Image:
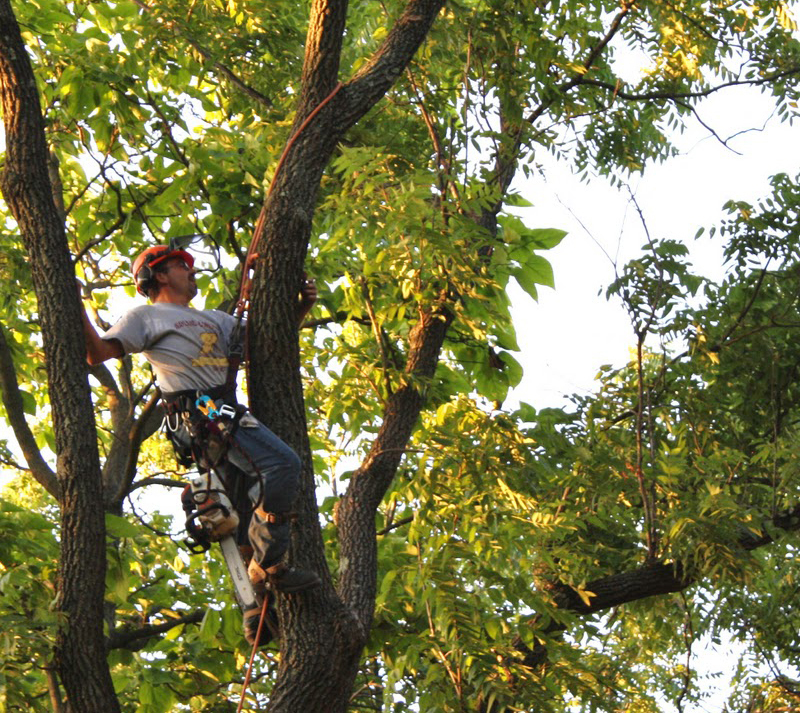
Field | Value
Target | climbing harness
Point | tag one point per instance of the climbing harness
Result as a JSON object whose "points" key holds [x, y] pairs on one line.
{"points": [[201, 431]]}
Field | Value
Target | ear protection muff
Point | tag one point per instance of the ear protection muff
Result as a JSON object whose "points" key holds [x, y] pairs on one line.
{"points": [[144, 279], [145, 275]]}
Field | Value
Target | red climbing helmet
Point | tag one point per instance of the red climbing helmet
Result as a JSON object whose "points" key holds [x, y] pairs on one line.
{"points": [[143, 265]]}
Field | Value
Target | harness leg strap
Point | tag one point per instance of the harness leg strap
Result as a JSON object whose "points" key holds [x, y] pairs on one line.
{"points": [[276, 518]]}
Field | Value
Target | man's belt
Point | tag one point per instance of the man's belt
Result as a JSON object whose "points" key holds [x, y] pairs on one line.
{"points": [[216, 402], [222, 393]]}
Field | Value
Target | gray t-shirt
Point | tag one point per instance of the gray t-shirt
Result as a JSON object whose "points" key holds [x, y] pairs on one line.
{"points": [[187, 347]]}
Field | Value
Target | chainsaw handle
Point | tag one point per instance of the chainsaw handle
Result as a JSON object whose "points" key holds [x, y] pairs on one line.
{"points": [[196, 547]]}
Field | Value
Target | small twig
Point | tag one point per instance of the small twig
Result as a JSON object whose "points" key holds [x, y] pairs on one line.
{"points": [[155, 480], [688, 638], [144, 522], [379, 337], [395, 525]]}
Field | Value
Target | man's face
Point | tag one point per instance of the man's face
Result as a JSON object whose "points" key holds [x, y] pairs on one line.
{"points": [[180, 277]]}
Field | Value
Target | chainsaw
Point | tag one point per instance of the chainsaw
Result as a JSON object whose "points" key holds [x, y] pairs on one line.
{"points": [[211, 518]]}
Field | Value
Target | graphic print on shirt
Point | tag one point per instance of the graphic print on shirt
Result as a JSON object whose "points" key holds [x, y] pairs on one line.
{"points": [[209, 340]]}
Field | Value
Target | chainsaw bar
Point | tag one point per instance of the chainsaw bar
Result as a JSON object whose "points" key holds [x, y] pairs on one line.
{"points": [[245, 594]]}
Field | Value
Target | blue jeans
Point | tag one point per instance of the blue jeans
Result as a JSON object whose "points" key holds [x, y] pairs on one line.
{"points": [[276, 468]]}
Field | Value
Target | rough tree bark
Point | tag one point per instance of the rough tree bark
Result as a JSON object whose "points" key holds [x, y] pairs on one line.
{"points": [[80, 651], [342, 619]]}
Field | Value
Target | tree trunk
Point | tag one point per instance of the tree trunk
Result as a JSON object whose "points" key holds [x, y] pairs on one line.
{"points": [[324, 633], [80, 651]]}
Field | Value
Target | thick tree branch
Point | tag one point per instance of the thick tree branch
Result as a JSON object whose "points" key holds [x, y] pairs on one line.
{"points": [[136, 638], [649, 581], [15, 412], [375, 78], [368, 485], [324, 39]]}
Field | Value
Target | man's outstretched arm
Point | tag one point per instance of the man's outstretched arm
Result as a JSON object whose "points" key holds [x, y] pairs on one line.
{"points": [[97, 348]]}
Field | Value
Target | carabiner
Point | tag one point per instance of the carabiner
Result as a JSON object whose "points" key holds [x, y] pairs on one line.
{"points": [[207, 407]]}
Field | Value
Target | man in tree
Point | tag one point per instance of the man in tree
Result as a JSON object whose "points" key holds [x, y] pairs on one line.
{"points": [[190, 352]]}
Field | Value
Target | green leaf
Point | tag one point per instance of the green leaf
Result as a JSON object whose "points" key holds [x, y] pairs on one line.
{"points": [[28, 403], [540, 270], [120, 527], [544, 238], [526, 280], [512, 368], [210, 626]]}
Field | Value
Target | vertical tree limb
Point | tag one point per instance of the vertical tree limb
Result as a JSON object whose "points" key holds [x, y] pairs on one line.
{"points": [[26, 186]]}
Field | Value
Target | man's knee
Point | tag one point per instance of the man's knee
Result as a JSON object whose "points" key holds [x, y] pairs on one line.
{"points": [[281, 483], [287, 474], [293, 464]]}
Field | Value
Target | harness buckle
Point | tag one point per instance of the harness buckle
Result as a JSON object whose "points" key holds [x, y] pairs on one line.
{"points": [[226, 410]]}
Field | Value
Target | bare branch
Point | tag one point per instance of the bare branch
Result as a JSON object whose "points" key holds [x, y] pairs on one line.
{"points": [[156, 480], [699, 94], [15, 411]]}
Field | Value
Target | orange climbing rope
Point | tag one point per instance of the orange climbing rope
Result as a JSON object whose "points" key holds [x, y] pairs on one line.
{"points": [[245, 284], [249, 671]]}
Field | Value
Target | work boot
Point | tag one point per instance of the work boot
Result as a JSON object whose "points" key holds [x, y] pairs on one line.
{"points": [[291, 579], [269, 629], [288, 580]]}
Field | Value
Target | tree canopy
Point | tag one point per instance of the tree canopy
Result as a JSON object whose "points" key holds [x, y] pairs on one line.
{"points": [[475, 556]]}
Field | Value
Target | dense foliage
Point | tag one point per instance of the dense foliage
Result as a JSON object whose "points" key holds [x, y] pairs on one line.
{"points": [[501, 528]]}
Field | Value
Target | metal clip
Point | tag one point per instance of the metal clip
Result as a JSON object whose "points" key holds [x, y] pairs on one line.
{"points": [[207, 407], [227, 410], [168, 421]]}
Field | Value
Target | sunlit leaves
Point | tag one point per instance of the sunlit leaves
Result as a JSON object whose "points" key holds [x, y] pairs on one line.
{"points": [[168, 118], [27, 575]]}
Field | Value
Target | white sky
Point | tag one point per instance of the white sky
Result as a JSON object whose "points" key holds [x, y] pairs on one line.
{"points": [[571, 331]]}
